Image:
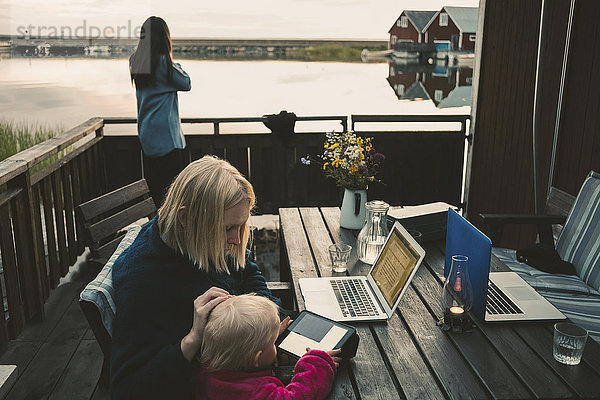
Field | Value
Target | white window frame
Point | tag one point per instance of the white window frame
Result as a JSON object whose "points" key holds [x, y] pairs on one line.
{"points": [[400, 90], [394, 39], [438, 95], [443, 19], [404, 21], [472, 37]]}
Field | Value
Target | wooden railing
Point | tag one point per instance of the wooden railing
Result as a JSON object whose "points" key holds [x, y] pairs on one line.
{"points": [[39, 240], [421, 166], [41, 186]]}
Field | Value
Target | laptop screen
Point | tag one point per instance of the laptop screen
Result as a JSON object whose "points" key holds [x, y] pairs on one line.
{"points": [[394, 266], [465, 239]]}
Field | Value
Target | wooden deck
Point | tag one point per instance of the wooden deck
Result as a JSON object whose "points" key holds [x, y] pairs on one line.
{"points": [[59, 357]]}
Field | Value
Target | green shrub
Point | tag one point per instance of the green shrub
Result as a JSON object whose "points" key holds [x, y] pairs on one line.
{"points": [[18, 136], [331, 53]]}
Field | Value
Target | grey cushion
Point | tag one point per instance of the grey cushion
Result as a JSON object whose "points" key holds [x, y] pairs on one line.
{"points": [[100, 290]]}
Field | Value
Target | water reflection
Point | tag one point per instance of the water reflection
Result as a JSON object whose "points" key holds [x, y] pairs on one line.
{"points": [[446, 85]]}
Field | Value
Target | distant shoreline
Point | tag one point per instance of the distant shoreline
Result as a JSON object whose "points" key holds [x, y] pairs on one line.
{"points": [[307, 49]]}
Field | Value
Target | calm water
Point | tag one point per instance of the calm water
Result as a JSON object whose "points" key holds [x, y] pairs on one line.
{"points": [[71, 90]]}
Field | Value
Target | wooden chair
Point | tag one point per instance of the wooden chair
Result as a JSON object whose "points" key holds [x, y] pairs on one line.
{"points": [[102, 221], [577, 295], [549, 224]]}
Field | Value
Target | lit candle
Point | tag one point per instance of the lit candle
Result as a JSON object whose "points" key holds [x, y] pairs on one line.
{"points": [[457, 310]]}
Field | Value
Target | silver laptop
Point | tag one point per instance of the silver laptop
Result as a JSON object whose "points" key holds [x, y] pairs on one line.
{"points": [[370, 298], [497, 296]]}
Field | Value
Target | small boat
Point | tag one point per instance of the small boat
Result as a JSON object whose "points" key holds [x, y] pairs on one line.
{"points": [[367, 55]]}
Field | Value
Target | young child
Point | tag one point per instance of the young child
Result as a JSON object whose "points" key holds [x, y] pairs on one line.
{"points": [[238, 352]]}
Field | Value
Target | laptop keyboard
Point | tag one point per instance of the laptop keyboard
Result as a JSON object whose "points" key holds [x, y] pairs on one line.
{"points": [[353, 298], [499, 303]]}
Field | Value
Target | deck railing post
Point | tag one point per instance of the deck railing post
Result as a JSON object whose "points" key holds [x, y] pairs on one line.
{"points": [[27, 246], [101, 174]]}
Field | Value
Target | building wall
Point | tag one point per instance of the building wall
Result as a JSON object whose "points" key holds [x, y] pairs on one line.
{"points": [[465, 77], [501, 164], [579, 135], [441, 84], [437, 32], [467, 44], [403, 34]]}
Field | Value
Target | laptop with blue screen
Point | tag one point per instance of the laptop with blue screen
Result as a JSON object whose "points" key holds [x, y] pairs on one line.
{"points": [[497, 296]]}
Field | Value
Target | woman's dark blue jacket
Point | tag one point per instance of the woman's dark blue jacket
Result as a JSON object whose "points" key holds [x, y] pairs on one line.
{"points": [[155, 288]]}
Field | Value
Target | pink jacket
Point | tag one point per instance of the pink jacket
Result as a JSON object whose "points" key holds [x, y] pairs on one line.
{"points": [[313, 377]]}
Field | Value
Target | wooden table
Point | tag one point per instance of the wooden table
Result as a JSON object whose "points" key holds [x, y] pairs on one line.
{"points": [[410, 356]]}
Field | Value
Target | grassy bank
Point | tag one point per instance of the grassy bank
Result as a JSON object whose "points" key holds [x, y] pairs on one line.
{"points": [[18, 136], [331, 53]]}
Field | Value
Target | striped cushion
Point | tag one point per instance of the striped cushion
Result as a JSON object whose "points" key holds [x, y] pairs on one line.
{"points": [[544, 281], [100, 290], [581, 310], [579, 241], [571, 295]]}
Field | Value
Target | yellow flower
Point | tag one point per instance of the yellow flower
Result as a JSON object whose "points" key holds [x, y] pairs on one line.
{"points": [[325, 165]]}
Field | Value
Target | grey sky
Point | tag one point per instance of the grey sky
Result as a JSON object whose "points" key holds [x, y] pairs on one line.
{"points": [[368, 19]]}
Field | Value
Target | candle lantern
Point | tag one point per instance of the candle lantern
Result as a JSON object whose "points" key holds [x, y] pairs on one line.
{"points": [[457, 296]]}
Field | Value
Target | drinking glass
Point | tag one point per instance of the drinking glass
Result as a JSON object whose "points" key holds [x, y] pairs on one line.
{"points": [[340, 254], [569, 340]]}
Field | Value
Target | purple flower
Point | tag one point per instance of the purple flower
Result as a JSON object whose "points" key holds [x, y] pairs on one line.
{"points": [[305, 161], [378, 158], [372, 151], [364, 170]]}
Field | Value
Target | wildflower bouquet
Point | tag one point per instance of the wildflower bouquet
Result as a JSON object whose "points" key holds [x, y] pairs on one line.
{"points": [[348, 159]]}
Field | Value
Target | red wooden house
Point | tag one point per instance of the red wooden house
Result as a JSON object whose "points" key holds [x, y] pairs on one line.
{"points": [[409, 27], [400, 81], [453, 28]]}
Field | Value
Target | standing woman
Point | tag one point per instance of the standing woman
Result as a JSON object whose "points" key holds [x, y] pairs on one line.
{"points": [[157, 80]]}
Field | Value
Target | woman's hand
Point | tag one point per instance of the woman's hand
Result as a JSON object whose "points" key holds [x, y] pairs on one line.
{"points": [[203, 305]]}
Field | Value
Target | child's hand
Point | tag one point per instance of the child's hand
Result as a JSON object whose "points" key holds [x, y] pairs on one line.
{"points": [[335, 354], [284, 324]]}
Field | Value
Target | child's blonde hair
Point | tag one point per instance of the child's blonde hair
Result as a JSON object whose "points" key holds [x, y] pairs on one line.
{"points": [[191, 218], [236, 330]]}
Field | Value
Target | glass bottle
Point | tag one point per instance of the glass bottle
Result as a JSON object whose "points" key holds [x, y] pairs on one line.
{"points": [[373, 234], [457, 293]]}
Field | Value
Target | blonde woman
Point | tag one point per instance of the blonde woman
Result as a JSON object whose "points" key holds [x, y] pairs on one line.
{"points": [[184, 262], [238, 352]]}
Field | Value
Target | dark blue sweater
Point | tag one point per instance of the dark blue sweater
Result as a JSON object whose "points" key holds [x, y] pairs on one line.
{"points": [[155, 288]]}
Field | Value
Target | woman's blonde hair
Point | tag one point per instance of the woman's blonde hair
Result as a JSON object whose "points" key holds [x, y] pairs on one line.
{"points": [[191, 218], [236, 330]]}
